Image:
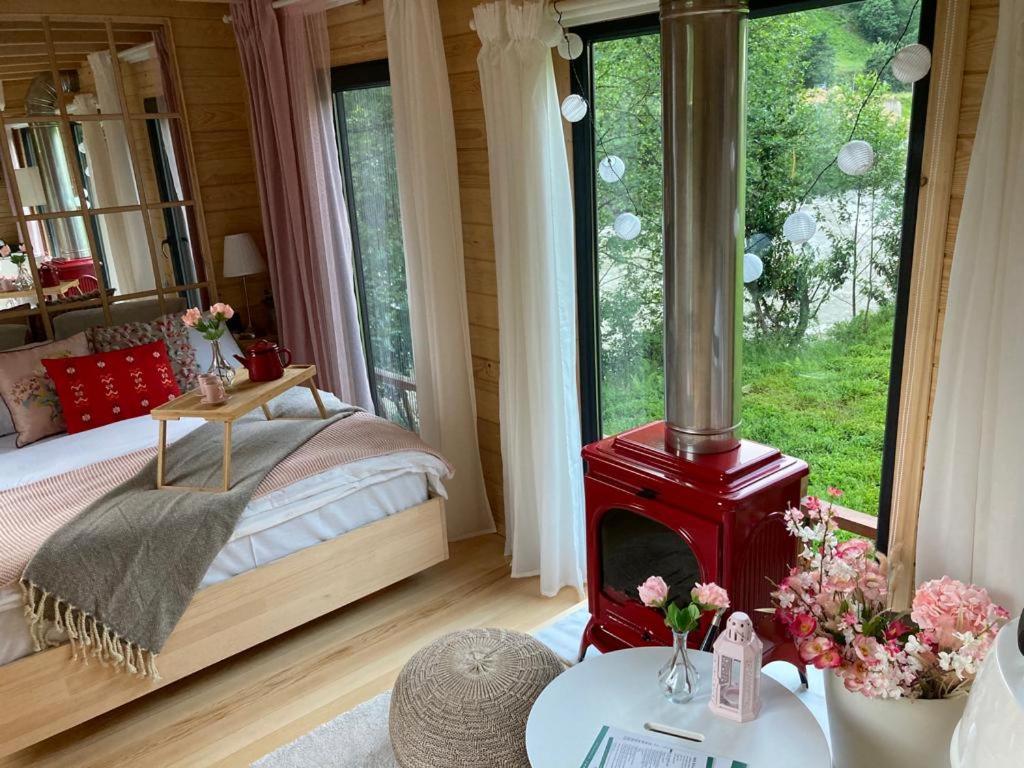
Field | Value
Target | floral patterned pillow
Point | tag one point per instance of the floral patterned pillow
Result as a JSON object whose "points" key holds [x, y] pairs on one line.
{"points": [[29, 392], [169, 329]]}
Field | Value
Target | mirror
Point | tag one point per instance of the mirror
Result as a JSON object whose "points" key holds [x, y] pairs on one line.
{"points": [[97, 154]]}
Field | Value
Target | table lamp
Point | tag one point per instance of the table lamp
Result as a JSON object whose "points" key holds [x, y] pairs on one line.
{"points": [[242, 258]]}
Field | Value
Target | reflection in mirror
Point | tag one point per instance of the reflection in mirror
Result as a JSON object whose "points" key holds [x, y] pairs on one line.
{"points": [[63, 258], [83, 55], [144, 56], [105, 163], [174, 230], [124, 252], [17, 289], [26, 75], [161, 150], [41, 169]]}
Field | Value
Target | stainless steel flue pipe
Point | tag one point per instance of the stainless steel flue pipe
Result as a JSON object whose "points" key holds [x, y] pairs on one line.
{"points": [[703, 59]]}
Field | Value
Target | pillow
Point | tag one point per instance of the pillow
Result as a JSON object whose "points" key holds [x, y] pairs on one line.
{"points": [[168, 329], [105, 387], [29, 393], [6, 424]]}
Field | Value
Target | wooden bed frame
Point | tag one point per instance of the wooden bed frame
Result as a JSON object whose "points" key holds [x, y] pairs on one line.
{"points": [[45, 693]]}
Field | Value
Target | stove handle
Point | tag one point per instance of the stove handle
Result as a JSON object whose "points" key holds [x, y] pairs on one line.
{"points": [[647, 493]]}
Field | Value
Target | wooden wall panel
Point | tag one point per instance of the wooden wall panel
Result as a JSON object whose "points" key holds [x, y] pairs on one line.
{"points": [[214, 99], [357, 34]]}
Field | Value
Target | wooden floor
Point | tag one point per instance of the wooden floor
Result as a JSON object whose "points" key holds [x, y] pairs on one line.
{"points": [[237, 711]]}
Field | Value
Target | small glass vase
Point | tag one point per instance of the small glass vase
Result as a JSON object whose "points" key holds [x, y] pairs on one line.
{"points": [[679, 679], [219, 366], [23, 280]]}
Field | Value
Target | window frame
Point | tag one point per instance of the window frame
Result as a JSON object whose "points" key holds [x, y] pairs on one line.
{"points": [[585, 198]]}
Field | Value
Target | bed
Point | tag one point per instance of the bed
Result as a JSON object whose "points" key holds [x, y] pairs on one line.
{"points": [[351, 530]]}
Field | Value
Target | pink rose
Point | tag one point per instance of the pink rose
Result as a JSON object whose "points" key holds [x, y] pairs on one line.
{"points": [[830, 659], [812, 503], [710, 596], [223, 309], [834, 492], [5, 250], [191, 317], [653, 592], [852, 549], [803, 625]]}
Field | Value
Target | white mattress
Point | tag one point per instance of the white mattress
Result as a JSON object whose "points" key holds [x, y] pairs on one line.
{"points": [[311, 511]]}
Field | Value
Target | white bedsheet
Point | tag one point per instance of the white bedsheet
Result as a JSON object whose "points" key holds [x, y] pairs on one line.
{"points": [[311, 511]]}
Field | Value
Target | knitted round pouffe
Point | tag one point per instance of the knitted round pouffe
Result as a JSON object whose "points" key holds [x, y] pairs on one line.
{"points": [[463, 700]]}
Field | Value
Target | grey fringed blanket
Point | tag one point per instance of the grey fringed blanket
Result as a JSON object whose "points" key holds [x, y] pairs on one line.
{"points": [[118, 577]]}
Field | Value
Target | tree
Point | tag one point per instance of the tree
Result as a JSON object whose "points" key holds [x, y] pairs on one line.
{"points": [[880, 20]]}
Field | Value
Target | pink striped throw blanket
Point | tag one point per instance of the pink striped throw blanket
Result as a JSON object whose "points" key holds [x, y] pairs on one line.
{"points": [[29, 514]]}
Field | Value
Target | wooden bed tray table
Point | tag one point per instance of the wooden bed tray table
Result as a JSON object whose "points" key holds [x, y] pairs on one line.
{"points": [[243, 396]]}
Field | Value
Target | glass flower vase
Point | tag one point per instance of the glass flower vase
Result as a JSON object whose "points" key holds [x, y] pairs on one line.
{"points": [[219, 366], [679, 678]]}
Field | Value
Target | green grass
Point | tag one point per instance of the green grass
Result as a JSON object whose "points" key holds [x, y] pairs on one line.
{"points": [[852, 50], [823, 401]]}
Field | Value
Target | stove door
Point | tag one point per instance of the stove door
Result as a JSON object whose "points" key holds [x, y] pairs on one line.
{"points": [[631, 537]]}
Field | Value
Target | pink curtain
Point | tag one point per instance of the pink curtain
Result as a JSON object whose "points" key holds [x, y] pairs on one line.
{"points": [[285, 58]]}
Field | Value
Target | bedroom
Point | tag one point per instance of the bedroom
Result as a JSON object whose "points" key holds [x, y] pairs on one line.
{"points": [[372, 188]]}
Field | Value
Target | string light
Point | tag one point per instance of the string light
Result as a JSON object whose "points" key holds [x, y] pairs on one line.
{"points": [[911, 63], [856, 158], [574, 108], [611, 169]]}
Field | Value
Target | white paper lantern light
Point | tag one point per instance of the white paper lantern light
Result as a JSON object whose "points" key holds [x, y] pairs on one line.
{"points": [[550, 32], [799, 227], [856, 158], [627, 226], [570, 46], [911, 63], [574, 108], [753, 267], [611, 169]]}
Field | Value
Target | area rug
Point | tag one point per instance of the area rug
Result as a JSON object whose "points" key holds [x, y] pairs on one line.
{"points": [[359, 738]]}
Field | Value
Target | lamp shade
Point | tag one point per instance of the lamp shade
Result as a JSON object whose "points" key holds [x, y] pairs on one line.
{"points": [[241, 256], [30, 186]]}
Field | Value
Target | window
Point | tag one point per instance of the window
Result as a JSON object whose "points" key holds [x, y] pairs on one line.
{"points": [[366, 138], [820, 377]]}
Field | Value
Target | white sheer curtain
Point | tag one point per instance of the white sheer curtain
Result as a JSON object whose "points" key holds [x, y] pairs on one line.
{"points": [[533, 242], [971, 525], [428, 189]]}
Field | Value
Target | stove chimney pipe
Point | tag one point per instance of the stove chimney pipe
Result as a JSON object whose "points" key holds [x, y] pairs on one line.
{"points": [[703, 59]]}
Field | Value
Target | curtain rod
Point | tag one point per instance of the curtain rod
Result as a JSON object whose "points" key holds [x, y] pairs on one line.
{"points": [[282, 3]]}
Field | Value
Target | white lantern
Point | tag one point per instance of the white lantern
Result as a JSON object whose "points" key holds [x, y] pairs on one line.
{"points": [[611, 169], [570, 46], [911, 63], [627, 226], [856, 158], [550, 32], [752, 267], [574, 108], [736, 671], [799, 227]]}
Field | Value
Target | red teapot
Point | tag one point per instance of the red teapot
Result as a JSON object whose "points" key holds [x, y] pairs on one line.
{"points": [[265, 361]]}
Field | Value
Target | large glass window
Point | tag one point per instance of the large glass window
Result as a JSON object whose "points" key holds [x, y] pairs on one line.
{"points": [[362, 98], [820, 320]]}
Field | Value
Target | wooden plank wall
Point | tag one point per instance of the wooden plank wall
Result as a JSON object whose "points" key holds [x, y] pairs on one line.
{"points": [[214, 93], [981, 37], [357, 34]]}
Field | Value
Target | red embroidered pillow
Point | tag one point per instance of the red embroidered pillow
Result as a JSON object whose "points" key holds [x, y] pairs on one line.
{"points": [[100, 389]]}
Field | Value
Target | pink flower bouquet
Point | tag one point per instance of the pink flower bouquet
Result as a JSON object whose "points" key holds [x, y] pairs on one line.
{"points": [[210, 325], [834, 605], [704, 598]]}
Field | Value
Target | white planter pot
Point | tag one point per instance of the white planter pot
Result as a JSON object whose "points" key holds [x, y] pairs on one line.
{"points": [[889, 733]]}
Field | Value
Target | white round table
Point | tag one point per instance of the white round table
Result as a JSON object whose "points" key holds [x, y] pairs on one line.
{"points": [[620, 689]]}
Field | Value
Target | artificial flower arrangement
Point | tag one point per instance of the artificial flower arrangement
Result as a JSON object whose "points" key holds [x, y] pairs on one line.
{"points": [[704, 598], [211, 324], [835, 606]]}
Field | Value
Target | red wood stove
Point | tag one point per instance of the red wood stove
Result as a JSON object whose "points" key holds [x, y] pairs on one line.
{"points": [[711, 517]]}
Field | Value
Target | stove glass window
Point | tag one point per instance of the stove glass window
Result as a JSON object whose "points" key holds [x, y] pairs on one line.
{"points": [[634, 547]]}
